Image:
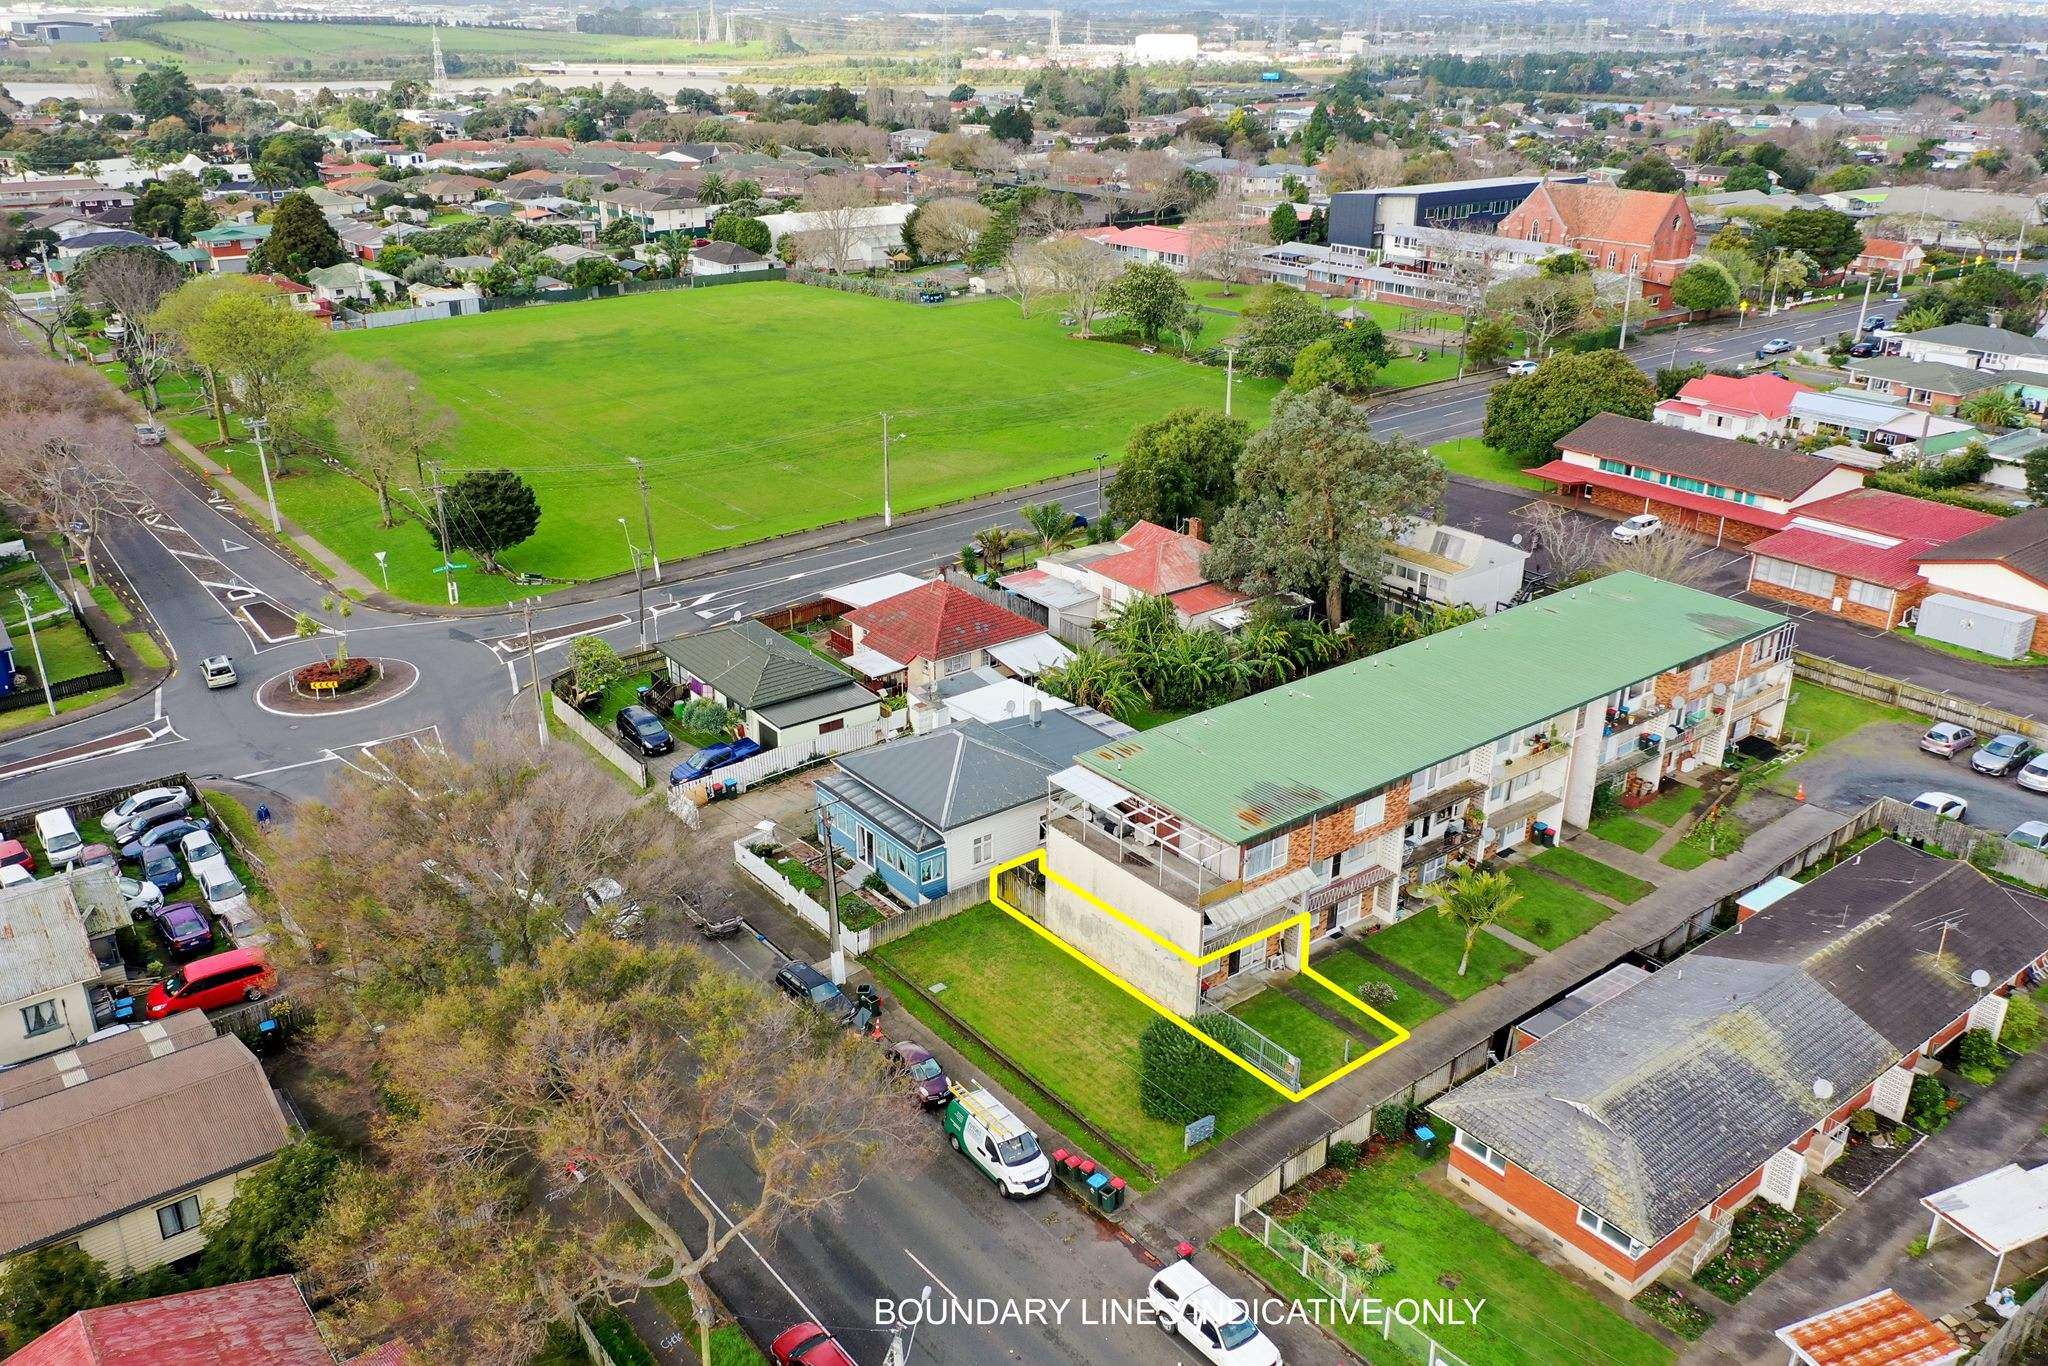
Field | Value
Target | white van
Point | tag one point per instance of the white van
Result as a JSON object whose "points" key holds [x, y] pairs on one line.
{"points": [[983, 1129], [61, 844]]}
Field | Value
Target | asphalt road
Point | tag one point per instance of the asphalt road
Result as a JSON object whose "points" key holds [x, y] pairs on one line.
{"points": [[1887, 761]]}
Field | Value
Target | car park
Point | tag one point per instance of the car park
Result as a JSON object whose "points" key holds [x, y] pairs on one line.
{"points": [[815, 989], [218, 671], [2031, 835], [220, 979], [2034, 775], [61, 843], [1640, 527], [806, 1344], [1188, 1305], [981, 1128], [2002, 754], [148, 816], [712, 758], [225, 895], [1776, 346], [140, 896], [184, 927], [15, 854], [167, 835], [642, 731], [914, 1063], [1526, 366], [1947, 739], [1944, 804]]}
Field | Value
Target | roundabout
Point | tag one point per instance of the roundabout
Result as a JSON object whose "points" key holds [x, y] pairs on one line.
{"points": [[320, 689]]}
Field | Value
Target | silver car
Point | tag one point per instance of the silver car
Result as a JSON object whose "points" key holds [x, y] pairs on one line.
{"points": [[1947, 739], [2034, 777], [2002, 755]]}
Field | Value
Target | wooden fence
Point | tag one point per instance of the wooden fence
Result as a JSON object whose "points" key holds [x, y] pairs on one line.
{"points": [[1929, 702], [607, 749]]}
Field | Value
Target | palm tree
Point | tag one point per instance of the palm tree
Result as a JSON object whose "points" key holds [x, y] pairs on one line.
{"points": [[1095, 678], [1052, 524], [1992, 408], [1474, 900], [993, 544]]}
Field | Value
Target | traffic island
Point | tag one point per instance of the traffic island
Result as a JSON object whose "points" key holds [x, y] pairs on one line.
{"points": [[329, 689]]}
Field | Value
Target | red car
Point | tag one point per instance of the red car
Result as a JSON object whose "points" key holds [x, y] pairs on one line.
{"points": [[808, 1345], [16, 853], [220, 979]]}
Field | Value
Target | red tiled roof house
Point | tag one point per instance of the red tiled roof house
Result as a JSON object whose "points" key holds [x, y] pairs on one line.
{"points": [[1149, 560], [936, 630], [1857, 555], [1883, 256], [1625, 231], [249, 1323], [1730, 406]]}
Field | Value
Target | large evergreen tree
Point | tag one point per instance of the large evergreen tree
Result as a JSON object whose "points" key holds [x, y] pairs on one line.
{"points": [[301, 239]]}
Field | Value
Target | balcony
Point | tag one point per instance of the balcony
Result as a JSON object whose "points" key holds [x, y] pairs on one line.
{"points": [[1530, 762], [1458, 793]]}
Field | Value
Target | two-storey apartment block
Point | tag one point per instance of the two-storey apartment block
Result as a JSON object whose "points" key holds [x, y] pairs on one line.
{"points": [[1342, 794]]}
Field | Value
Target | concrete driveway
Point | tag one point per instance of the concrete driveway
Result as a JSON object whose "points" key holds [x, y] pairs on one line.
{"points": [[1887, 761]]}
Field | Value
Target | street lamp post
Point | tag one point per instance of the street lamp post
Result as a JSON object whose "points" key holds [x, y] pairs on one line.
{"points": [[888, 509], [36, 647], [1864, 309]]}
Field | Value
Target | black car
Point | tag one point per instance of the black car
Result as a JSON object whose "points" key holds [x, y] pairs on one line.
{"points": [[927, 1078], [814, 989], [1863, 349], [642, 730]]}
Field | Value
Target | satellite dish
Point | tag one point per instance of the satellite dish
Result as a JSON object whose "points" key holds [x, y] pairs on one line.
{"points": [[1823, 1089], [1980, 979], [1515, 539], [1720, 690]]}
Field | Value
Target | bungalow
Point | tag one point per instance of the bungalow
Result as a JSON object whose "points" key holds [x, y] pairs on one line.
{"points": [[1753, 406], [1148, 246], [727, 258], [247, 1323], [1731, 490], [228, 245], [1446, 566], [130, 1141], [935, 812], [353, 282], [1931, 385], [1883, 256], [653, 211], [784, 693], [1857, 555], [1975, 347], [453, 189], [936, 630], [2009, 452], [1629, 1137], [873, 234], [1217, 829], [1149, 561], [1990, 588], [56, 937]]}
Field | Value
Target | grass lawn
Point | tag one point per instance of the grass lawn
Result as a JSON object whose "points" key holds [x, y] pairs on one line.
{"points": [[1473, 458], [1321, 1045], [730, 1346], [24, 576], [1702, 844], [1069, 1027], [116, 610], [23, 717], [146, 649], [1531, 1312], [1669, 808], [1410, 370], [1549, 913], [1826, 715], [66, 650], [1351, 972], [1594, 875], [734, 397], [2028, 660], [1428, 945], [1626, 831]]}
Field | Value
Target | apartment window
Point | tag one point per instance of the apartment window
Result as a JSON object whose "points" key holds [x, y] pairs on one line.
{"points": [[1870, 595], [1438, 775], [180, 1216], [984, 849], [1479, 1150], [1700, 673], [1797, 577], [1262, 859], [1593, 1223], [39, 1018], [1368, 813]]}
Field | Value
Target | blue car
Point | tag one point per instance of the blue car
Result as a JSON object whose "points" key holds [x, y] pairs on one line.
{"points": [[712, 757], [160, 866]]}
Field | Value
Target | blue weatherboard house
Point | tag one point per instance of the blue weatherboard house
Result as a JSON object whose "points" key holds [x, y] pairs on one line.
{"points": [[937, 811]]}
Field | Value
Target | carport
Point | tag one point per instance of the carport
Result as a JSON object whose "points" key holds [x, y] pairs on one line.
{"points": [[2001, 1211]]}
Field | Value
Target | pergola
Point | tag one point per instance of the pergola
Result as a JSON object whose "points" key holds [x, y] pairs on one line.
{"points": [[2001, 1211]]}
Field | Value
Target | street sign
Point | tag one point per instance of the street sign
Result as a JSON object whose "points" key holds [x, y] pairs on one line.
{"points": [[449, 567], [1201, 1131]]}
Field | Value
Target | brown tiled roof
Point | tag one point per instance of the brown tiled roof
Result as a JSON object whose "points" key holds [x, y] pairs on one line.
{"points": [[110, 1126], [1612, 214], [1674, 450], [2019, 543]]}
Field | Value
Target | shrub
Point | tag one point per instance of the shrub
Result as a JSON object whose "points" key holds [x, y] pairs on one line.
{"points": [[1977, 1056], [1381, 994], [1344, 1154], [711, 718], [1917, 1248], [1863, 1122], [1901, 1135], [347, 674], [594, 664], [1927, 1106], [1390, 1121], [2022, 1028], [1606, 801], [1179, 1078]]}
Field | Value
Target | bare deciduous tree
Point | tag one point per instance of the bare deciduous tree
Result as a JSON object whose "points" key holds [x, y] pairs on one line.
{"points": [[1360, 166], [1575, 547], [1671, 557], [384, 420], [1080, 268], [1223, 241], [62, 441], [1545, 307], [840, 203], [947, 228], [132, 281]]}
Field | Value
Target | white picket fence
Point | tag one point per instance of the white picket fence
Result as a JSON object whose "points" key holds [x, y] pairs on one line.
{"points": [[780, 887]]}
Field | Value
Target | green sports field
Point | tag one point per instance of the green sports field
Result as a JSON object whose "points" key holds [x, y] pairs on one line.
{"points": [[757, 410]]}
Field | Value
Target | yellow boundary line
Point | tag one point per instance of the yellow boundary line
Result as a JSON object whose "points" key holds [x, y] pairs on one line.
{"points": [[1299, 922]]}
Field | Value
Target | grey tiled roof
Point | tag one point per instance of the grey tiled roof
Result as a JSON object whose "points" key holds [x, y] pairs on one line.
{"points": [[1932, 375], [954, 776], [754, 666]]}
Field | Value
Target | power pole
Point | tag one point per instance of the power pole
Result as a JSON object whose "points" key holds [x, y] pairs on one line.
{"points": [[1864, 309], [540, 717], [36, 647], [1099, 458], [1628, 297], [447, 547], [646, 514], [1229, 376], [831, 892], [256, 428], [639, 593]]}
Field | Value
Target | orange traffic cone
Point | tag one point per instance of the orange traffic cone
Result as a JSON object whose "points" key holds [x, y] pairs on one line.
{"points": [[1800, 795]]}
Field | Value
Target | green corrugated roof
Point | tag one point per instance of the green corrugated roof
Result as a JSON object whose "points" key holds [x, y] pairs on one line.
{"points": [[1269, 761]]}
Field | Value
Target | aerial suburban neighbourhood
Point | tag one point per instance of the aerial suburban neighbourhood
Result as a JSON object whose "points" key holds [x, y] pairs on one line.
{"points": [[805, 686]]}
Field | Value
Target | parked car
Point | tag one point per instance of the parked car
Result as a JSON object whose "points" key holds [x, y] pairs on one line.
{"points": [[218, 671], [15, 854], [14, 875], [1863, 350], [643, 732], [2002, 755], [1776, 346], [184, 927], [199, 846], [806, 1344], [1944, 804], [135, 801], [1876, 323], [814, 989], [1187, 1304], [1947, 739], [2034, 777], [148, 817], [1640, 527], [2030, 835], [712, 757], [1526, 366], [140, 896], [225, 895], [160, 866], [98, 856], [150, 434], [916, 1064], [61, 842], [606, 902], [982, 1129], [168, 834], [219, 979]]}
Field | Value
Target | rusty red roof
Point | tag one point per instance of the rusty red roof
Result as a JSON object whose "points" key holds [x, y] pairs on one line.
{"points": [[250, 1323], [1877, 1330], [935, 621], [1765, 395], [1155, 560]]}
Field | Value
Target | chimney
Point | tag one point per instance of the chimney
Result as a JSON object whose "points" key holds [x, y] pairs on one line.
{"points": [[1196, 527], [1037, 710]]}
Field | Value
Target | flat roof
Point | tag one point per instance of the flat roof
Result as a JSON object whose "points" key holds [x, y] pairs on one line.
{"points": [[1266, 762]]}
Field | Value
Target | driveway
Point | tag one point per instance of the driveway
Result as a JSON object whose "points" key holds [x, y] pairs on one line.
{"points": [[1887, 761]]}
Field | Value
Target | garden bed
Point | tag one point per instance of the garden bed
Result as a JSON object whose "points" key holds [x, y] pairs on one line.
{"points": [[1763, 1239], [1863, 1163], [1672, 1307]]}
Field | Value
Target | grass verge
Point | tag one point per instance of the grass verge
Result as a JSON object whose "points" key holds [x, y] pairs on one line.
{"points": [[1549, 914], [1594, 875]]}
